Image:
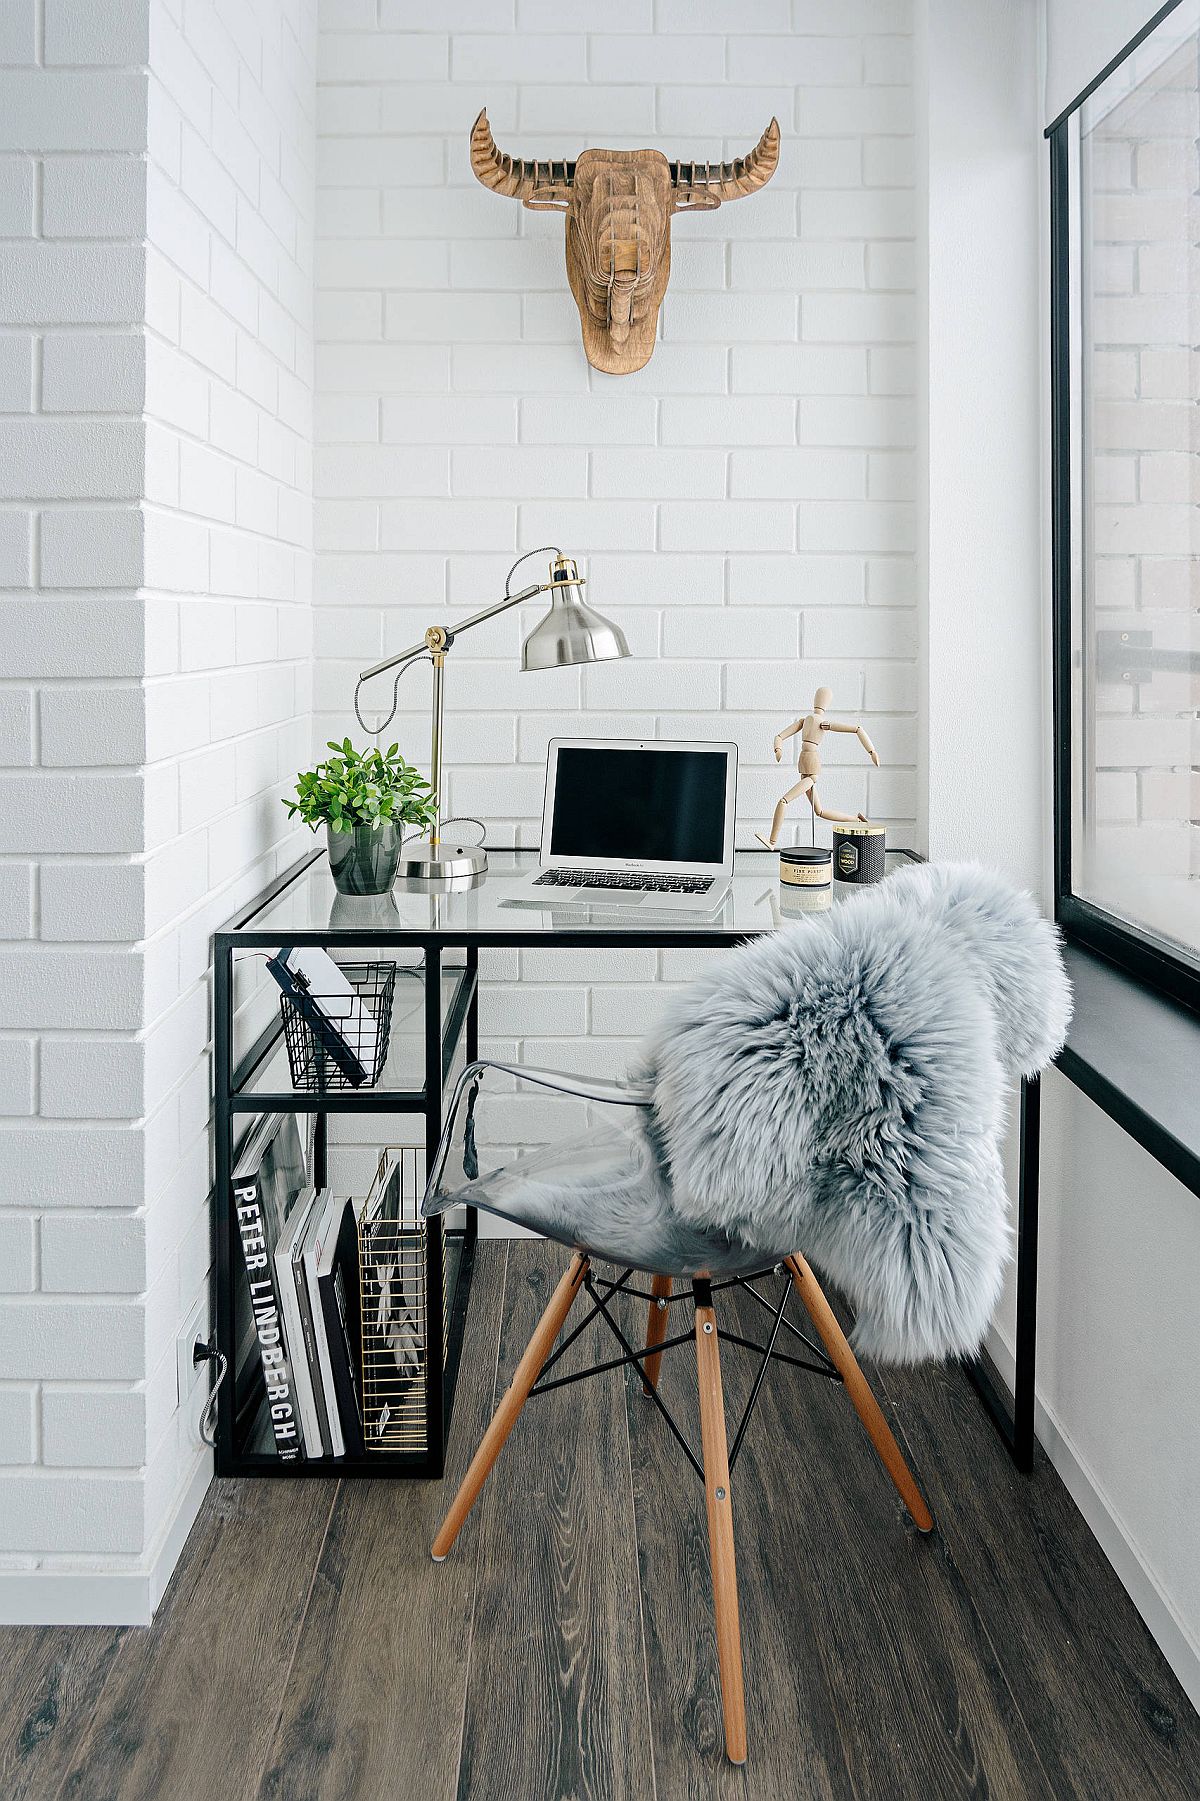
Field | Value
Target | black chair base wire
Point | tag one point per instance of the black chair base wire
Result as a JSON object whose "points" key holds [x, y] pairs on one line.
{"points": [[601, 1292]]}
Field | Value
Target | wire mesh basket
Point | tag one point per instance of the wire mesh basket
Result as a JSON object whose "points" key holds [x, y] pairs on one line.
{"points": [[337, 1042], [392, 1240]]}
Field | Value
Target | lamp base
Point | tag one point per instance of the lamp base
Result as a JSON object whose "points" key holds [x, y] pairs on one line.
{"points": [[442, 862]]}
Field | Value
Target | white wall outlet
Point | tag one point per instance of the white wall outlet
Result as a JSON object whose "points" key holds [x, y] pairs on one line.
{"points": [[187, 1374]]}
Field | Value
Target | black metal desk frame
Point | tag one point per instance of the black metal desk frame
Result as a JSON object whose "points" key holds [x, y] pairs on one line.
{"points": [[446, 1029], [1015, 1420]]}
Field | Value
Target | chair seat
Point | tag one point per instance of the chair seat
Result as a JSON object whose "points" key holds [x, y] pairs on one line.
{"points": [[605, 1194]]}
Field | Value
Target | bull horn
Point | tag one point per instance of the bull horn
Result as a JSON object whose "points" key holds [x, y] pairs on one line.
{"points": [[537, 184], [701, 184], [497, 172]]}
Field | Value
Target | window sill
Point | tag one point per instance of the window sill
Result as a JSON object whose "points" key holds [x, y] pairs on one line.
{"points": [[1137, 1055]]}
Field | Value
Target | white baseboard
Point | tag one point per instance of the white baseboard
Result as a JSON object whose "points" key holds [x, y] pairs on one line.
{"points": [[174, 1534], [1139, 1582], [92, 1597]]}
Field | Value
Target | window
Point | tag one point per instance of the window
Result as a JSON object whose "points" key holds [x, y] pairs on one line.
{"points": [[1125, 225]]}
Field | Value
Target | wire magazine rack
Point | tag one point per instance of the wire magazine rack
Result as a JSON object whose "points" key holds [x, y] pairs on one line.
{"points": [[393, 1246]]}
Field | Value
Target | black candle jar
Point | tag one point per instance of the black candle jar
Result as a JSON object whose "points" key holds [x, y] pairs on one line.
{"points": [[859, 852]]}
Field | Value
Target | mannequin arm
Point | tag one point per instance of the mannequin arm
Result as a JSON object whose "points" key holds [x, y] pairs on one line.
{"points": [[838, 725], [788, 731]]}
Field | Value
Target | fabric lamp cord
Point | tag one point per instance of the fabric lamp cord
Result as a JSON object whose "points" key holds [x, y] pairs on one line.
{"points": [[433, 648], [422, 651]]}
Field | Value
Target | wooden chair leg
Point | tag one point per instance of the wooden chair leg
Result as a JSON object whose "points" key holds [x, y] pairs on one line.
{"points": [[505, 1416], [656, 1330], [719, 1504], [859, 1390]]}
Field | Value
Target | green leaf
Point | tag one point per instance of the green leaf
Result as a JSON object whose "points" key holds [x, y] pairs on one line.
{"points": [[352, 788]]}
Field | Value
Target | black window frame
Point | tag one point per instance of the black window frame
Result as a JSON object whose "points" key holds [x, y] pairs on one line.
{"points": [[1134, 949]]}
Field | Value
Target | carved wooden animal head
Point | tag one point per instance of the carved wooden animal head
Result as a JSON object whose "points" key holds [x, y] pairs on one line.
{"points": [[619, 205]]}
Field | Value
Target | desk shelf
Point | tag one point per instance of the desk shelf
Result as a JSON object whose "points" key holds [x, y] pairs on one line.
{"points": [[262, 1083], [435, 1028]]}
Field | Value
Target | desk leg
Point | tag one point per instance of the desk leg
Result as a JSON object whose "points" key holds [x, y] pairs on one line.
{"points": [[473, 1009], [224, 1224], [472, 1227], [1027, 1258], [1015, 1424], [321, 1151], [435, 1237]]}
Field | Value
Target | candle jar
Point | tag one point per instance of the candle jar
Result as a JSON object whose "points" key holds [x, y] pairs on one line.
{"points": [[859, 852], [806, 866]]}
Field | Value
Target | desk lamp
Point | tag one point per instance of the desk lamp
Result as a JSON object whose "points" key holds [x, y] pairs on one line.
{"points": [[570, 633]]}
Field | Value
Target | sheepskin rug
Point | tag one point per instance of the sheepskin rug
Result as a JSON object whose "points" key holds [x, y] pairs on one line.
{"points": [[841, 1088]]}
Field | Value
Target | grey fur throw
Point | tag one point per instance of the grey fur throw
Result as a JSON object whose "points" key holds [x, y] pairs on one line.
{"points": [[840, 1087]]}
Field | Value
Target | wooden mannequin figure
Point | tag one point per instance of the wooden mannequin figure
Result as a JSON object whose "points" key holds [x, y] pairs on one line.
{"points": [[810, 729]]}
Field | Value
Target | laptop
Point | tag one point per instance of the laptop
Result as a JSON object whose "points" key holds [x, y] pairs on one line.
{"points": [[628, 823]]}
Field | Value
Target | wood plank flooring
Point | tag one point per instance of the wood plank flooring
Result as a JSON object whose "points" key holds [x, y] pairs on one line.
{"points": [[308, 1647]]}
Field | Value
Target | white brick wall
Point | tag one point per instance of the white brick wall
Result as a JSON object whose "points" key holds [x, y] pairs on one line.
{"points": [[1142, 803], [228, 576], [156, 194], [744, 506], [71, 177], [744, 503]]}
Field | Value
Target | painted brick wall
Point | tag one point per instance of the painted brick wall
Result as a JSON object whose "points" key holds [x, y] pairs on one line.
{"points": [[155, 554], [743, 503], [1143, 800], [228, 524], [73, 116]]}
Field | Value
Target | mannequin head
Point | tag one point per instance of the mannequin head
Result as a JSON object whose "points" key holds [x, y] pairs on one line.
{"points": [[821, 700]]}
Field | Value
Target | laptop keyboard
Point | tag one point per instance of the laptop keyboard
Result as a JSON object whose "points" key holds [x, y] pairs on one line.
{"points": [[640, 880]]}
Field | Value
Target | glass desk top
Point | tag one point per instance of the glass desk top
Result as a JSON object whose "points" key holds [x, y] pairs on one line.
{"points": [[303, 907]]}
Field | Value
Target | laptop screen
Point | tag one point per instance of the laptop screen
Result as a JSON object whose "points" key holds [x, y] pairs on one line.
{"points": [[645, 804]]}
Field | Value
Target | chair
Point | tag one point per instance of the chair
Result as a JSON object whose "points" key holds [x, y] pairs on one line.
{"points": [[838, 1086]]}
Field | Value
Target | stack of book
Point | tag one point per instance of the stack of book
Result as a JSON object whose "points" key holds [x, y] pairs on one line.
{"points": [[300, 1248]]}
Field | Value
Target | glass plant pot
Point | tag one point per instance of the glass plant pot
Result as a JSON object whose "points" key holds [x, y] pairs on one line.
{"points": [[363, 861]]}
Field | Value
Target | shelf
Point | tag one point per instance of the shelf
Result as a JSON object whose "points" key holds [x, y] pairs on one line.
{"points": [[389, 1465], [459, 1255], [430, 1032], [262, 1080]]}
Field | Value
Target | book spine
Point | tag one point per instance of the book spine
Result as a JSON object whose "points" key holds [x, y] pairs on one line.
{"points": [[300, 1283], [325, 1368], [268, 1321], [349, 1409]]}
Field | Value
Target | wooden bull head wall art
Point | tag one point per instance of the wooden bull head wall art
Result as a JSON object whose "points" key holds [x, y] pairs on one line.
{"points": [[619, 205]]}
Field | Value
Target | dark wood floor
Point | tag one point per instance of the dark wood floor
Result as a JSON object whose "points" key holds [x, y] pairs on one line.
{"points": [[309, 1647]]}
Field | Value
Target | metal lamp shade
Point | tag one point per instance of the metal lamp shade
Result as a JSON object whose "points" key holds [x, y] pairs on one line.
{"points": [[571, 633]]}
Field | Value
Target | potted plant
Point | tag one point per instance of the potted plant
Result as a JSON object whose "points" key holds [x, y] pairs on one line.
{"points": [[364, 799]]}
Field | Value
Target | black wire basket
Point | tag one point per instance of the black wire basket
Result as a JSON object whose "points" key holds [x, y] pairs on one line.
{"points": [[333, 1044]]}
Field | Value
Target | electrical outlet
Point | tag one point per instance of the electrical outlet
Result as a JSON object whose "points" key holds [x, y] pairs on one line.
{"points": [[188, 1374]]}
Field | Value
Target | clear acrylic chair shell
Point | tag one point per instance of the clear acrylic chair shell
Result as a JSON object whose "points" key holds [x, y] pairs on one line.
{"points": [[596, 1182]]}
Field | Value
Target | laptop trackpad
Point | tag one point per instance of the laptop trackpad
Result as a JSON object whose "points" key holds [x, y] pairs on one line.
{"points": [[625, 897]]}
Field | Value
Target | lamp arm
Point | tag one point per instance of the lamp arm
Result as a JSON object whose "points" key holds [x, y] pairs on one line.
{"points": [[417, 650], [500, 606]]}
